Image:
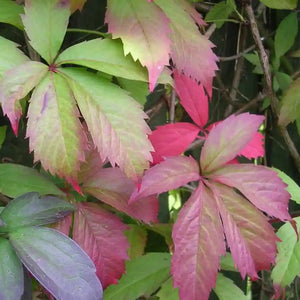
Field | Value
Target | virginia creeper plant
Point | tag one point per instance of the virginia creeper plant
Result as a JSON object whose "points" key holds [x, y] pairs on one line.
{"points": [[105, 174]]}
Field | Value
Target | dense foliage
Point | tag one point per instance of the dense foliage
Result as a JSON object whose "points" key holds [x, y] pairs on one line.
{"points": [[160, 139]]}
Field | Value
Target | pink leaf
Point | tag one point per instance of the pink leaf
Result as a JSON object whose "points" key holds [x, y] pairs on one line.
{"points": [[191, 51], [142, 27], [15, 85], [248, 233], [169, 174], [64, 225], [100, 235], [227, 139], [192, 98], [199, 243], [255, 148], [55, 133], [172, 139], [111, 186], [260, 185]]}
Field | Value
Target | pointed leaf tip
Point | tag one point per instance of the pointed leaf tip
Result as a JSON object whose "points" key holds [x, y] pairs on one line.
{"points": [[148, 32]]}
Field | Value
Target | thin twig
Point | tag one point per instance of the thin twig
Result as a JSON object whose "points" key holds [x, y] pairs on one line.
{"points": [[254, 101], [264, 60], [172, 107], [238, 55]]}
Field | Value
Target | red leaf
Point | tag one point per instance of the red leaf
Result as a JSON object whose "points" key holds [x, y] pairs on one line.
{"points": [[142, 27], [255, 148], [100, 234], [111, 186], [191, 51], [248, 233], [227, 139], [260, 185], [193, 98], [64, 225], [169, 174], [199, 243], [172, 140]]}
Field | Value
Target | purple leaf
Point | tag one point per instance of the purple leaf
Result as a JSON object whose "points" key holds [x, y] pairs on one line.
{"points": [[57, 262]]}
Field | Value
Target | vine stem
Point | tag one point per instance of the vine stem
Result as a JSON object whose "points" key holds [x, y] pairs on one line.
{"points": [[264, 60], [87, 31]]}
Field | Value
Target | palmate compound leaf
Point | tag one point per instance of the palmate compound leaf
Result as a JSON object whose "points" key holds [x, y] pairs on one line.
{"points": [[259, 184], [192, 98], [111, 186], [55, 133], [141, 26], [169, 174], [10, 56], [191, 51], [255, 148], [115, 121], [144, 275], [104, 55], [227, 139], [287, 260], [172, 139], [76, 4], [199, 242], [31, 209], [249, 236], [11, 273], [45, 23], [15, 85], [100, 235], [57, 262]]}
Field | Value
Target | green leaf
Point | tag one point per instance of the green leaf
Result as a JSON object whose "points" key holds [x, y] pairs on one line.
{"points": [[10, 56], [115, 121], [103, 55], [227, 263], [167, 292], [45, 23], [138, 90], [293, 188], [31, 209], [219, 13], [226, 289], [16, 84], [2, 135], [286, 34], [16, 180], [254, 60], [11, 273], [290, 104], [10, 13], [280, 4], [55, 133], [281, 81], [287, 265], [137, 238], [57, 262], [143, 276]]}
